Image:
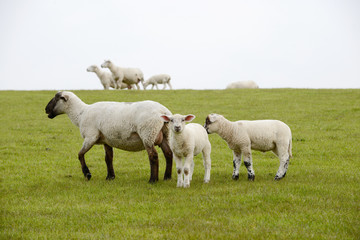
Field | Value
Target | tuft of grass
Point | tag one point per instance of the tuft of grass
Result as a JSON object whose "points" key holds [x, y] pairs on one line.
{"points": [[44, 194]]}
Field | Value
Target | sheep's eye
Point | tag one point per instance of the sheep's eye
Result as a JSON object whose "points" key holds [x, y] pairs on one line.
{"points": [[172, 120], [183, 120]]}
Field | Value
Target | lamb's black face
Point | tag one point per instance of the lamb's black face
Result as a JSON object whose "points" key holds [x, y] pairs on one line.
{"points": [[50, 107]]}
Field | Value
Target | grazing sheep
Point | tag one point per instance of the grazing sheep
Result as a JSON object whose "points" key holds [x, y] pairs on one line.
{"points": [[128, 126], [261, 135], [128, 76], [158, 79], [187, 141], [242, 84], [106, 78]]}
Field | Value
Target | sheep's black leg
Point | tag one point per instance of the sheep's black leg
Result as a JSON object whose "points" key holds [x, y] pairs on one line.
{"points": [[88, 143], [109, 162], [169, 158], [154, 164]]}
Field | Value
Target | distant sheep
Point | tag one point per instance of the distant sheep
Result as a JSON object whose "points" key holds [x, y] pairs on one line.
{"points": [[128, 76], [242, 84], [158, 79], [106, 78], [130, 126], [261, 135], [187, 141]]}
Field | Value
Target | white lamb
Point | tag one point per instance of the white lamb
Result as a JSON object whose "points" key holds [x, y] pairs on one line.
{"points": [[158, 79], [130, 126], [261, 135], [128, 76], [106, 78], [187, 141], [242, 84]]}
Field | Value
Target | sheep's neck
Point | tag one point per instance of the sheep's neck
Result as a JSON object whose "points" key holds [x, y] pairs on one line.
{"points": [[226, 130], [75, 110]]}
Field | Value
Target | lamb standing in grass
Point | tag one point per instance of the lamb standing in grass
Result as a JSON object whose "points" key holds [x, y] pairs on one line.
{"points": [[262, 135], [187, 141], [158, 79], [130, 126], [128, 76]]}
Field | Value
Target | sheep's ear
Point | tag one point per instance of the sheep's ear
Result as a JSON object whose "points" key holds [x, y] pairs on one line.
{"points": [[212, 117], [165, 118], [65, 97], [189, 118]]}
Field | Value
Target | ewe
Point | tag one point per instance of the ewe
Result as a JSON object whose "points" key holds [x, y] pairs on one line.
{"points": [[128, 126], [242, 84], [261, 135], [128, 76], [158, 79], [187, 141]]}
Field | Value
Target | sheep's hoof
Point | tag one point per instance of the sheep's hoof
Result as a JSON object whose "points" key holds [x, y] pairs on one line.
{"points": [[206, 180], [167, 177], [235, 177], [110, 177], [251, 177], [88, 176], [152, 181]]}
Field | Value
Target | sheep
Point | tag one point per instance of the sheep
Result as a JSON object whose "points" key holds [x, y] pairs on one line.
{"points": [[130, 126], [261, 135], [106, 78], [158, 79], [187, 141], [242, 84], [128, 76]]}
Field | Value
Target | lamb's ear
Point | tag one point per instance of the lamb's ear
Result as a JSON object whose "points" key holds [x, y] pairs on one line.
{"points": [[189, 118], [213, 117], [165, 118]]}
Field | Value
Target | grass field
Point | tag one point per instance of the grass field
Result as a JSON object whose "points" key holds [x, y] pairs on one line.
{"points": [[45, 196]]}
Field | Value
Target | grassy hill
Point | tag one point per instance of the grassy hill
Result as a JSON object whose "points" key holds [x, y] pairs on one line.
{"points": [[44, 194]]}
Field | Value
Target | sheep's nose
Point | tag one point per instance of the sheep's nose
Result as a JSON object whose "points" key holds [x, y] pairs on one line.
{"points": [[177, 129]]}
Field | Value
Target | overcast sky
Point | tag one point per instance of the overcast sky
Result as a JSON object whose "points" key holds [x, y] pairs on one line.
{"points": [[202, 44]]}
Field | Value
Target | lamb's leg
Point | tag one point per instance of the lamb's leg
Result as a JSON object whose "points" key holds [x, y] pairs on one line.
{"points": [[137, 86], [179, 170], [154, 164], [248, 165], [284, 162], [169, 158], [109, 162], [236, 163], [87, 144], [207, 163], [187, 169]]}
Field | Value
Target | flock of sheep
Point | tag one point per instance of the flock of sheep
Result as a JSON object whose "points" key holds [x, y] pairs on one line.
{"points": [[121, 78], [127, 78], [143, 125]]}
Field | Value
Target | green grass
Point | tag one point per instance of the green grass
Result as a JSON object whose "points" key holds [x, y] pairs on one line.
{"points": [[45, 196]]}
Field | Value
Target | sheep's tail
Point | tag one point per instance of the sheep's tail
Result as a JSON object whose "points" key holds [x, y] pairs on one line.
{"points": [[290, 147]]}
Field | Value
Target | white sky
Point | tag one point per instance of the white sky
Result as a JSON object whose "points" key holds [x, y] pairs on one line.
{"points": [[202, 44]]}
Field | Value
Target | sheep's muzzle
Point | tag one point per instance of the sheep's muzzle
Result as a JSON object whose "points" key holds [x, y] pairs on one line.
{"points": [[50, 107]]}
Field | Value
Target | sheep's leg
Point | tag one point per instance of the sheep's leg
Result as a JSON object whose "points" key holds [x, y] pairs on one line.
{"points": [[109, 162], [152, 88], [207, 163], [284, 163], [187, 169], [137, 86], [85, 148], [192, 166], [154, 164], [237, 164], [164, 86], [169, 158], [156, 85], [179, 170], [170, 85], [248, 165]]}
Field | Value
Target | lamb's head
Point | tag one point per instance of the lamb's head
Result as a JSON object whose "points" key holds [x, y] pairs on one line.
{"points": [[212, 123], [145, 84], [58, 104], [177, 121], [106, 64], [92, 68]]}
